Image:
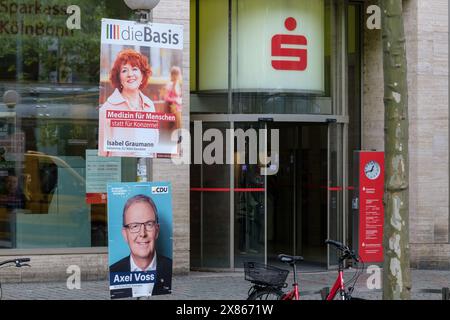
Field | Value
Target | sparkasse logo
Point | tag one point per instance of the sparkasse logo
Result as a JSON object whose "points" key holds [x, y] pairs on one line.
{"points": [[289, 51], [160, 189]]}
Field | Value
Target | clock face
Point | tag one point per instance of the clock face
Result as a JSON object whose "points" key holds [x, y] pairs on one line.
{"points": [[372, 170]]}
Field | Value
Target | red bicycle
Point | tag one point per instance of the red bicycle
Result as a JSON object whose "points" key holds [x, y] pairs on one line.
{"points": [[18, 262], [268, 280], [339, 285]]}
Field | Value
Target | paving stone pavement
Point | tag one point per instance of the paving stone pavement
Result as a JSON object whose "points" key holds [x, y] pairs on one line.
{"points": [[221, 286]]}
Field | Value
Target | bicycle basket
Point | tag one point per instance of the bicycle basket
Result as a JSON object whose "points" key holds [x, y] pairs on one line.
{"points": [[264, 274]]}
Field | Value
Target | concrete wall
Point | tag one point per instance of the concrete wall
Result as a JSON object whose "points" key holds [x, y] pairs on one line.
{"points": [[372, 110], [426, 27], [429, 157]]}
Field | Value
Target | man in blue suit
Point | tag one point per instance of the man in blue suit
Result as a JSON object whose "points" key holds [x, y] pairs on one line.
{"points": [[141, 230]]}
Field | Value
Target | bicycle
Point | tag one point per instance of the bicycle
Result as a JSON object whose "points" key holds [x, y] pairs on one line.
{"points": [[339, 285], [268, 280], [18, 263]]}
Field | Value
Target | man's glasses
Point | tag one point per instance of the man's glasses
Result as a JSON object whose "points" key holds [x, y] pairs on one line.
{"points": [[135, 227]]}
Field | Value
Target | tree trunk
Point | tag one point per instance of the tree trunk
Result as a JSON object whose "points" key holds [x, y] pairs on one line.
{"points": [[396, 274]]}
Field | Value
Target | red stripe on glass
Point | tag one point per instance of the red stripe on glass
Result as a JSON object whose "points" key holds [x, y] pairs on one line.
{"points": [[228, 189]]}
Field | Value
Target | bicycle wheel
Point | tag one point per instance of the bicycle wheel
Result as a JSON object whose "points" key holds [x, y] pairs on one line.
{"points": [[266, 294]]}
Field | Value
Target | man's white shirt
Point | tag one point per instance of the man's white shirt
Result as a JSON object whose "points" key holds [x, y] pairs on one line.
{"points": [[140, 290]]}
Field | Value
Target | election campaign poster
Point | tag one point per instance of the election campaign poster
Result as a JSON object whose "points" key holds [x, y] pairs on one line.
{"points": [[141, 78], [140, 239]]}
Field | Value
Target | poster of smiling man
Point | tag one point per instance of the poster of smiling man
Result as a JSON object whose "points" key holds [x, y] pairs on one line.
{"points": [[140, 103], [140, 233]]}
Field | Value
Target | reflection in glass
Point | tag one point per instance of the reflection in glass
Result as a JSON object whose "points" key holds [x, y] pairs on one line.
{"points": [[44, 137], [210, 210], [354, 93], [249, 207], [238, 55], [297, 195]]}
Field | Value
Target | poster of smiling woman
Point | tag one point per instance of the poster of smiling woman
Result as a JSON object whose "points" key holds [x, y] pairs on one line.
{"points": [[140, 239], [140, 103]]}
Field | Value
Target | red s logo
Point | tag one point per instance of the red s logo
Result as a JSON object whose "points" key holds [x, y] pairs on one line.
{"points": [[301, 55]]}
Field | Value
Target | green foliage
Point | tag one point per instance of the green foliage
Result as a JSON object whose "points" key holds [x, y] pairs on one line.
{"points": [[48, 135]]}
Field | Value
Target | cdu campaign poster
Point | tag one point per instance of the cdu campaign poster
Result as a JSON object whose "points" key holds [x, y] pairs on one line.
{"points": [[140, 239], [140, 105]]}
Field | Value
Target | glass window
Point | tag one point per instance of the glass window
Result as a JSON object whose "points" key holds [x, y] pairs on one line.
{"points": [[354, 90], [209, 45], [48, 119], [274, 56], [249, 208], [335, 179], [210, 201]]}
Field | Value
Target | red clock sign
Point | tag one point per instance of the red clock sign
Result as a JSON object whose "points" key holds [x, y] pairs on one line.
{"points": [[368, 201]]}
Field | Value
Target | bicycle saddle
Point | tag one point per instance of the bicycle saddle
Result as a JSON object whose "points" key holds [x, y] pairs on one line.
{"points": [[289, 259]]}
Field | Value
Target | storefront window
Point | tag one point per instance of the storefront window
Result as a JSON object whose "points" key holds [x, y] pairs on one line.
{"points": [[210, 206], [287, 65], [48, 119], [354, 90], [272, 56]]}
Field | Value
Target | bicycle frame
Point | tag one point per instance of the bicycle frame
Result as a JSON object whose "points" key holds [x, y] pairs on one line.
{"points": [[272, 288], [339, 283], [293, 294], [338, 286], [18, 262]]}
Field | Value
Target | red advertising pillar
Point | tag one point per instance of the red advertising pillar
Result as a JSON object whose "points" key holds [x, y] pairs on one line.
{"points": [[367, 204]]}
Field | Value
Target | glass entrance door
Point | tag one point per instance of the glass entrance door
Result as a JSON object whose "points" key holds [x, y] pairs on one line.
{"points": [[249, 195], [293, 210], [297, 194], [336, 190]]}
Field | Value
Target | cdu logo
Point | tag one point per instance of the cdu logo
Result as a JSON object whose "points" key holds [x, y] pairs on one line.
{"points": [[286, 49], [160, 189]]}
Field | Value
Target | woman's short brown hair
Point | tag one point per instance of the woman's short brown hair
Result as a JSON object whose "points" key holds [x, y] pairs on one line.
{"points": [[135, 59]]}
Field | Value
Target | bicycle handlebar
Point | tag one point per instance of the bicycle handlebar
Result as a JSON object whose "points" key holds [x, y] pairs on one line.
{"points": [[18, 262], [337, 244], [347, 252]]}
